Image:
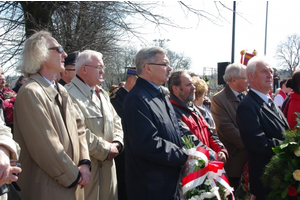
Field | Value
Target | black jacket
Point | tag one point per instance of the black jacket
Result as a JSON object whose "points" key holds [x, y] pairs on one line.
{"points": [[153, 145], [261, 129]]}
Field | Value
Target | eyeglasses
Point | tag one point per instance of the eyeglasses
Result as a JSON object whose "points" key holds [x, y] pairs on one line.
{"points": [[97, 67], [59, 49], [70, 69], [165, 64]]}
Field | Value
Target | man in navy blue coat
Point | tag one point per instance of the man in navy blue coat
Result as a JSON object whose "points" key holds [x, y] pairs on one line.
{"points": [[154, 155], [261, 125]]}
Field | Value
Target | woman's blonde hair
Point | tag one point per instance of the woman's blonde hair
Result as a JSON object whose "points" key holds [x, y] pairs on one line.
{"points": [[201, 86]]}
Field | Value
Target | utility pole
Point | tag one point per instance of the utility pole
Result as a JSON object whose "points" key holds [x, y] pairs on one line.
{"points": [[233, 33], [266, 28], [161, 42]]}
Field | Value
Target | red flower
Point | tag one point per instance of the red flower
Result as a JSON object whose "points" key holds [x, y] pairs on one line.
{"points": [[292, 191]]}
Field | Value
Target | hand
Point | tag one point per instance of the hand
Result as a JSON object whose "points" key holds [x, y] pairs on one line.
{"points": [[113, 151], [6, 170], [85, 175], [221, 157]]}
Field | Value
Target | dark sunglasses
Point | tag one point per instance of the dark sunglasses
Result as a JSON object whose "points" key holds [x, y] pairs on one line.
{"points": [[59, 49], [70, 69]]}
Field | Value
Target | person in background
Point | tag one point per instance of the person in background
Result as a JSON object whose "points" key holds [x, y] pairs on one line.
{"points": [[113, 89], [200, 94], [103, 125], [69, 72], [121, 84], [276, 79], [8, 103], [293, 104], [117, 101], [22, 80], [7, 85], [283, 93], [262, 125], [182, 96], [55, 158], [154, 154], [118, 98], [288, 84], [9, 154], [223, 109]]}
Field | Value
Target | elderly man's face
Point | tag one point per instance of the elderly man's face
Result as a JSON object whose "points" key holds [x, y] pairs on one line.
{"points": [[55, 61], [262, 79], [161, 69], [94, 71], [241, 82]]}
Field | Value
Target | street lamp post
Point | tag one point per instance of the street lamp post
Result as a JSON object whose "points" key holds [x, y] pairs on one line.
{"points": [[161, 42]]}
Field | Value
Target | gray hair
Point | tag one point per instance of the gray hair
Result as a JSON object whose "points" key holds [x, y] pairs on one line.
{"points": [[35, 53], [174, 80], [85, 57], [147, 55], [233, 70], [251, 66]]}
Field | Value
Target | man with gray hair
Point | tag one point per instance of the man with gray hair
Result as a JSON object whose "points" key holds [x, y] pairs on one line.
{"points": [[262, 125], [103, 125], [55, 158], [223, 109], [154, 155]]}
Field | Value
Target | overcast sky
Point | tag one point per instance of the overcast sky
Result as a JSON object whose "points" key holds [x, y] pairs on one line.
{"points": [[208, 43]]}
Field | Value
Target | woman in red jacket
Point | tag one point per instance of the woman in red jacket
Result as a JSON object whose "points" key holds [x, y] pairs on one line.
{"points": [[293, 105]]}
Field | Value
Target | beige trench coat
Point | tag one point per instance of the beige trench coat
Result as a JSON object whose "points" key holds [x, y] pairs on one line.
{"points": [[7, 141], [51, 151], [103, 126]]}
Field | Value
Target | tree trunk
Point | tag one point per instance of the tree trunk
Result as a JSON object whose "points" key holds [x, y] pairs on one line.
{"points": [[37, 15]]}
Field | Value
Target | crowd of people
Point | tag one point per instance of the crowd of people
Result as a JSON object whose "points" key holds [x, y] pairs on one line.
{"points": [[74, 140]]}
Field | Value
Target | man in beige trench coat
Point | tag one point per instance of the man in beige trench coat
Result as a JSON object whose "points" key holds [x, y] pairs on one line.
{"points": [[54, 157], [103, 125]]}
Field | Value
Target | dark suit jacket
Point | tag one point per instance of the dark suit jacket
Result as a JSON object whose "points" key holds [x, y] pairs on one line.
{"points": [[118, 99], [153, 146], [223, 109], [261, 129]]}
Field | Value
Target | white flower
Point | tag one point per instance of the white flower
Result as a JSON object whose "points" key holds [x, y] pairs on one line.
{"points": [[296, 175], [196, 198], [297, 152], [207, 181], [208, 195], [214, 189]]}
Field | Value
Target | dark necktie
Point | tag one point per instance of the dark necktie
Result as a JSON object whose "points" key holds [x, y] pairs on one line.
{"points": [[272, 104], [240, 96]]}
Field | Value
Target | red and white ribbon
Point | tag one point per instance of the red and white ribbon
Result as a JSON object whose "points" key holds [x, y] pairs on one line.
{"points": [[213, 171]]}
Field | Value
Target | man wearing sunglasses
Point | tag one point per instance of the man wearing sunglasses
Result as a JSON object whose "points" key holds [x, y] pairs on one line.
{"points": [[55, 157], [69, 72]]}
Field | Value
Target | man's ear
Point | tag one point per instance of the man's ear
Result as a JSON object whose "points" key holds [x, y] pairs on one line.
{"points": [[83, 70], [250, 76], [175, 89], [148, 69]]}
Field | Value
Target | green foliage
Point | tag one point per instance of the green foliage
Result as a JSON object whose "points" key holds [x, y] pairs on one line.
{"points": [[278, 173]]}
